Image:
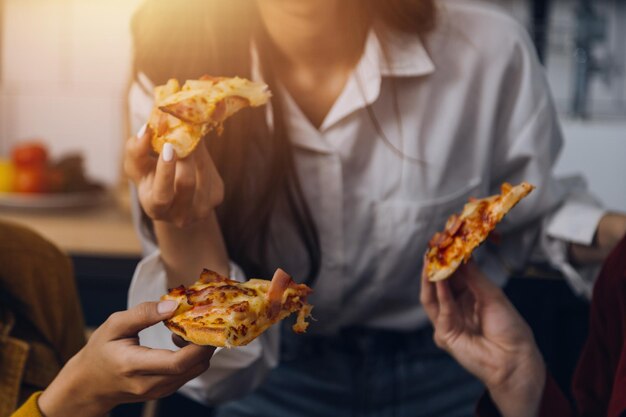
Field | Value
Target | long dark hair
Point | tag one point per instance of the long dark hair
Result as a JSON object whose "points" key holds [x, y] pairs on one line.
{"points": [[190, 38]]}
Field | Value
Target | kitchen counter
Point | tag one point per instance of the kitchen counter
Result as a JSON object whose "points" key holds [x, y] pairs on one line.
{"points": [[104, 230], [103, 246]]}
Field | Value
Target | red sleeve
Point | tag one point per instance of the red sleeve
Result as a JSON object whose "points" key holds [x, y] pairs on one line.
{"points": [[599, 383], [600, 379], [553, 403]]}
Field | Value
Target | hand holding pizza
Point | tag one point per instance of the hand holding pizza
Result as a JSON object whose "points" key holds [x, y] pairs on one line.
{"points": [[113, 369], [476, 324], [172, 190]]}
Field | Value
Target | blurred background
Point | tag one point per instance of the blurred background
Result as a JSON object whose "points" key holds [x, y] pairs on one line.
{"points": [[64, 68], [65, 65], [582, 45]]}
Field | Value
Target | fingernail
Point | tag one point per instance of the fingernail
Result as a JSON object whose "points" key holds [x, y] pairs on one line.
{"points": [[166, 306], [142, 130], [168, 152]]}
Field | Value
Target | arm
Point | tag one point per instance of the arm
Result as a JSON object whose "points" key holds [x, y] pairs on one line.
{"points": [[611, 229], [478, 326], [113, 369], [597, 385], [180, 196], [234, 372]]}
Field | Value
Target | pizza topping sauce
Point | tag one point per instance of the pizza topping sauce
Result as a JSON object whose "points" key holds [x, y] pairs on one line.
{"points": [[222, 312], [463, 233], [182, 116]]}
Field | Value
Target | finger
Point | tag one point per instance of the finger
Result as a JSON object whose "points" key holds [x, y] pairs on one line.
{"points": [[157, 386], [138, 158], [209, 182], [166, 362], [130, 322], [448, 309], [179, 341], [458, 281], [185, 186], [478, 283], [163, 189], [204, 162], [196, 370], [428, 297]]}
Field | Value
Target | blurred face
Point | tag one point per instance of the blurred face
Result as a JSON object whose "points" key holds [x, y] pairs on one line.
{"points": [[301, 8]]}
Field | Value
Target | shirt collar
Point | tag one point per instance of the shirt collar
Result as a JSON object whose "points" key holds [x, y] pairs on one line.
{"points": [[404, 55]]}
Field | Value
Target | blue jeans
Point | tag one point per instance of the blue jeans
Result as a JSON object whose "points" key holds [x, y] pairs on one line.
{"points": [[361, 372]]}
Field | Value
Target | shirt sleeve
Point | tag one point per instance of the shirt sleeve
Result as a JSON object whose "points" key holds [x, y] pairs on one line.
{"points": [[600, 378], [233, 372], [527, 142], [553, 403], [30, 408], [599, 381]]}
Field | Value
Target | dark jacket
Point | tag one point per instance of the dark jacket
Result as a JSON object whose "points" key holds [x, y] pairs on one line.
{"points": [[599, 384], [41, 322]]}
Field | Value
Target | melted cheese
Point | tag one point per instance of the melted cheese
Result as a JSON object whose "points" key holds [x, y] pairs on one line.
{"points": [[182, 116], [462, 234], [240, 310]]}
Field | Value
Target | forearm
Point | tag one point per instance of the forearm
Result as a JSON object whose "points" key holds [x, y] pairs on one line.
{"points": [[68, 396], [519, 395], [611, 229], [186, 251]]}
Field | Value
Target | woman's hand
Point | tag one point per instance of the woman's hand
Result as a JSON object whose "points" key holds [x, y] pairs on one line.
{"points": [[113, 368], [181, 192], [476, 324], [180, 197]]}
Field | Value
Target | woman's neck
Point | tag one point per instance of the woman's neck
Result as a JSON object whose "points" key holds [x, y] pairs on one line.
{"points": [[313, 33]]}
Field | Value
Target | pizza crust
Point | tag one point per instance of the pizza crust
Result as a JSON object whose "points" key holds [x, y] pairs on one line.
{"points": [[216, 336], [183, 115], [198, 334], [465, 232], [221, 312]]}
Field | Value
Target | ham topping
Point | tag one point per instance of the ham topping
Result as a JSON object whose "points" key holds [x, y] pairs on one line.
{"points": [[280, 282]]}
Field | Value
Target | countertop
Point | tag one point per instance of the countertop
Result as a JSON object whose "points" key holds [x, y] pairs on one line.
{"points": [[103, 230]]}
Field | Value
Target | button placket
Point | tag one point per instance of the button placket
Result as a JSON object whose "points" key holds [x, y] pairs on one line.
{"points": [[332, 239]]}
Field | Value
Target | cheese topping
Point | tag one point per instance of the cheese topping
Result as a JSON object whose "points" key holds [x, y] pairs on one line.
{"points": [[182, 116], [241, 311], [462, 234]]}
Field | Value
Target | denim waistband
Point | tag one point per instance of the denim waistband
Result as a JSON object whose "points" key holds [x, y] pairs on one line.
{"points": [[358, 341]]}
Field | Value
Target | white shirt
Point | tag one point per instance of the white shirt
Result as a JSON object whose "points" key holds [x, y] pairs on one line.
{"points": [[474, 106]]}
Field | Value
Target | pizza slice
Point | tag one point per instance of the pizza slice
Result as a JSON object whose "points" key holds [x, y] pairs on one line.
{"points": [[183, 116], [218, 311], [465, 232]]}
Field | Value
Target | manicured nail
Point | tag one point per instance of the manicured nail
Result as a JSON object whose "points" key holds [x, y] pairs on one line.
{"points": [[142, 130], [168, 152], [166, 306]]}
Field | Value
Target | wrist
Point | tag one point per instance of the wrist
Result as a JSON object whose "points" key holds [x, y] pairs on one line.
{"points": [[611, 229], [186, 251], [518, 393], [70, 395], [186, 228]]}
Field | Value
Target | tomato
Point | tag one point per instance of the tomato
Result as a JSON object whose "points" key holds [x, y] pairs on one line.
{"points": [[30, 154], [30, 179], [7, 174]]}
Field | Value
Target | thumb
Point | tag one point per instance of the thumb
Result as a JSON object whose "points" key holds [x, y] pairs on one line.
{"points": [[130, 322]]}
